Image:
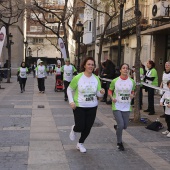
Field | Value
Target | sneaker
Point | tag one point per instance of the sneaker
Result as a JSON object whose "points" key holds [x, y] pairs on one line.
{"points": [[165, 132], [81, 148], [120, 146], [168, 135], [66, 99], [72, 134], [21, 91]]}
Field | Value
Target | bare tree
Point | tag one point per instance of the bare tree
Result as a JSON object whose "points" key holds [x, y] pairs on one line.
{"points": [[61, 16], [10, 12]]}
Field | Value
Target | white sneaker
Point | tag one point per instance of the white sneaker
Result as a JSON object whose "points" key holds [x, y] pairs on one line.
{"points": [[168, 135], [72, 134], [81, 148], [165, 132]]}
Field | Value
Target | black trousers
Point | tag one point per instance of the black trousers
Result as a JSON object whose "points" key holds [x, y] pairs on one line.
{"points": [[104, 86], [84, 119], [66, 84], [167, 119], [151, 100], [22, 83], [41, 84]]}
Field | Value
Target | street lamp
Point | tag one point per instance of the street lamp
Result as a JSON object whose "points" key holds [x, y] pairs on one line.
{"points": [[120, 31], [79, 30], [26, 45], [9, 43]]}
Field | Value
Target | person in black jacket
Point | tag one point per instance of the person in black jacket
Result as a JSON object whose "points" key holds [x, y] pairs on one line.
{"points": [[109, 73]]}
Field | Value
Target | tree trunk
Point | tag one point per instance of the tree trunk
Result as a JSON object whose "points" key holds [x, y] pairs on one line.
{"points": [[137, 63]]}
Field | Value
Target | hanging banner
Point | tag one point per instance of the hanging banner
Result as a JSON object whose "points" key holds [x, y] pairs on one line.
{"points": [[62, 48], [2, 38]]}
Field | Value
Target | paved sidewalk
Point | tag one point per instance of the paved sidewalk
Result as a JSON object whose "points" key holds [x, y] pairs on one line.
{"points": [[33, 138]]}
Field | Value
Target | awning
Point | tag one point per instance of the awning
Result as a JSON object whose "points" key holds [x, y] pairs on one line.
{"points": [[162, 30]]}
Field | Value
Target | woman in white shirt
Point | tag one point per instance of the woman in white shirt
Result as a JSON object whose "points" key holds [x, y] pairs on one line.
{"points": [[86, 87]]}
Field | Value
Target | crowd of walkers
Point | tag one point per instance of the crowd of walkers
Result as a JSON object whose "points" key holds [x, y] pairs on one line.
{"points": [[116, 87]]}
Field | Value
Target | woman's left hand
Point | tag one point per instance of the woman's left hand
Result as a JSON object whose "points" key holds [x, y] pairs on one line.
{"points": [[102, 91], [131, 96]]}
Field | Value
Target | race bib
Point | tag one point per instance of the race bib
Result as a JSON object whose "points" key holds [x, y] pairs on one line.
{"points": [[89, 97], [123, 98]]}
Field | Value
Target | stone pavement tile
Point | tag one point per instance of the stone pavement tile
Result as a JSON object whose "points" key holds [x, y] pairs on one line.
{"points": [[15, 111], [43, 124], [46, 157], [58, 103], [16, 128], [45, 146], [44, 136], [23, 106], [14, 138], [42, 119], [49, 166], [19, 148], [61, 111], [48, 129], [5, 149]]}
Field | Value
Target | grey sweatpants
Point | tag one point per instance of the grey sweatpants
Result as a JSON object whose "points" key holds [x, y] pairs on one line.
{"points": [[122, 119]]}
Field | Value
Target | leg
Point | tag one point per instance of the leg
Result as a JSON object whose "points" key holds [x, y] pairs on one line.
{"points": [[167, 119], [90, 116], [24, 82], [39, 84], [151, 101], [120, 124], [66, 84], [125, 116], [43, 84]]}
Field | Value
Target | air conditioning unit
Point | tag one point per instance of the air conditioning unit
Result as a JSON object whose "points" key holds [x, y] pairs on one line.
{"points": [[160, 9]]}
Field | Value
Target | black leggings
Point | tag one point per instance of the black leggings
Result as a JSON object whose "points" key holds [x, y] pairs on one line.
{"points": [[41, 84], [84, 119], [167, 119], [66, 84], [22, 83]]}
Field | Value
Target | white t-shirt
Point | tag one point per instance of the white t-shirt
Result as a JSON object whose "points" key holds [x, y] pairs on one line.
{"points": [[23, 72], [165, 78], [41, 71], [122, 90], [166, 100], [86, 90], [58, 70], [68, 71]]}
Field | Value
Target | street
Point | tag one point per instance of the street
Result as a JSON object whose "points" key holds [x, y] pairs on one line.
{"points": [[35, 127]]}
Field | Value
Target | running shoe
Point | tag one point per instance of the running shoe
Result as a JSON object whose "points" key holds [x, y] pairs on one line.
{"points": [[120, 146], [165, 132], [81, 147]]}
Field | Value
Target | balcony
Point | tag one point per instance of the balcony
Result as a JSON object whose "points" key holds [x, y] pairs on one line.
{"points": [[129, 19]]}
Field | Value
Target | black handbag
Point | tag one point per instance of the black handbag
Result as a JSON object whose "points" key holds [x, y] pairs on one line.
{"points": [[155, 126]]}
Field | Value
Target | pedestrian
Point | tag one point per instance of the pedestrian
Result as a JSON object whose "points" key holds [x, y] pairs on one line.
{"points": [[67, 70], [165, 78], [151, 78], [22, 76], [87, 87], [41, 75], [121, 92], [165, 101], [109, 74], [33, 69], [6, 69]]}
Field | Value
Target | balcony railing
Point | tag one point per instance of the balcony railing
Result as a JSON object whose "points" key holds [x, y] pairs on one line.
{"points": [[129, 19]]}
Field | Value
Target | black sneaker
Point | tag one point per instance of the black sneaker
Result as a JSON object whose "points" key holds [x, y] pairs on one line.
{"points": [[66, 99], [120, 146]]}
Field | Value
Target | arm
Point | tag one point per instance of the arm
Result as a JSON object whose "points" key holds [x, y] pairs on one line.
{"points": [[70, 97]]}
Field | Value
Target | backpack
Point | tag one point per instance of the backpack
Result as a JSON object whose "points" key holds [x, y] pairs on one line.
{"points": [[155, 126]]}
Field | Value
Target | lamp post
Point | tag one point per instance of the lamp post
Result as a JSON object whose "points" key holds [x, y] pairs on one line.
{"points": [[79, 29], [120, 32], [9, 43], [26, 45]]}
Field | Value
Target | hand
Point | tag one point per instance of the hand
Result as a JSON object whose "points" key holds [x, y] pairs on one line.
{"points": [[73, 105], [114, 100], [131, 96], [168, 105], [161, 104], [102, 91]]}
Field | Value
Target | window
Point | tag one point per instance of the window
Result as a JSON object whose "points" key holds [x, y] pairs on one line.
{"points": [[38, 40], [35, 15], [35, 28], [91, 1]]}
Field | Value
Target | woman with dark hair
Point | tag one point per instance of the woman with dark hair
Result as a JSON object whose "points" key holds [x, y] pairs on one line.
{"points": [[121, 92], [22, 76], [86, 87], [151, 78]]}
